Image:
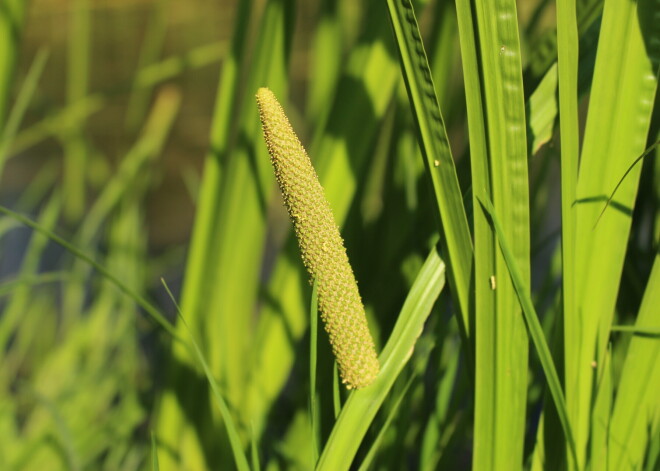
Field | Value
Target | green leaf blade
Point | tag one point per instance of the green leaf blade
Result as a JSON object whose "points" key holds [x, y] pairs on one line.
{"points": [[438, 159], [615, 135], [362, 405], [501, 359], [637, 397]]}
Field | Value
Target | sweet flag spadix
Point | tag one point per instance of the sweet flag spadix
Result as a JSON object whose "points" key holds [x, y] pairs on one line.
{"points": [[322, 247]]}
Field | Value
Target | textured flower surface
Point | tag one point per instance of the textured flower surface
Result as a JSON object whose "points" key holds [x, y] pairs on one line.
{"points": [[322, 247]]}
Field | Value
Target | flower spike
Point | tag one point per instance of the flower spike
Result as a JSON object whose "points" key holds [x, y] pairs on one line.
{"points": [[322, 247]]}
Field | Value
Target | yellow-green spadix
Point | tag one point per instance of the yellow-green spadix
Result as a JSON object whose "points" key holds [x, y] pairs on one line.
{"points": [[322, 247]]}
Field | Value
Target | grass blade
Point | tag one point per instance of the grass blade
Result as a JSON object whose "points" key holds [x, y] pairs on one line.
{"points": [[336, 393], [484, 239], [149, 146], [55, 124], [567, 50], [234, 257], [254, 453], [7, 287], [237, 448], [635, 330], [326, 59], [501, 358], [13, 314], [567, 65], [545, 54], [615, 135], [124, 288], [637, 396], [542, 110], [534, 328], [456, 239], [602, 409], [152, 46], [28, 88], [196, 271], [375, 446], [362, 405], [11, 24], [223, 266], [74, 143], [154, 454], [647, 152]]}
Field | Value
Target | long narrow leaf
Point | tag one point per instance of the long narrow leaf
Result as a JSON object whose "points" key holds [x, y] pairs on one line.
{"points": [[636, 330], [501, 359], [637, 396], [363, 404], [375, 446], [615, 135], [439, 163], [12, 14], [567, 60], [124, 288], [154, 454], [18, 111], [484, 238], [239, 455], [534, 327], [222, 271]]}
